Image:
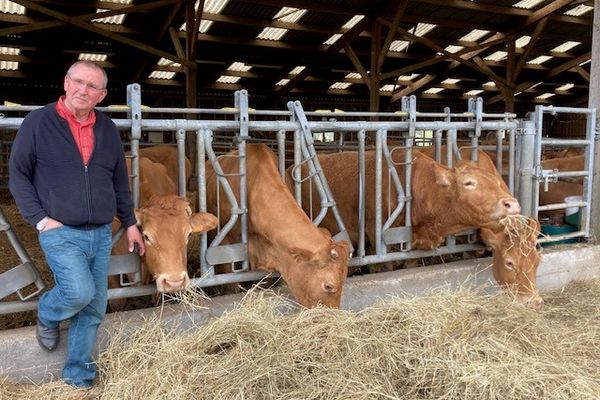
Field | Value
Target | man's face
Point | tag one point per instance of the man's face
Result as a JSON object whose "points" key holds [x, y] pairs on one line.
{"points": [[84, 88]]}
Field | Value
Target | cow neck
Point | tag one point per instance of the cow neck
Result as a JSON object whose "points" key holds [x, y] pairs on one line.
{"points": [[284, 222]]}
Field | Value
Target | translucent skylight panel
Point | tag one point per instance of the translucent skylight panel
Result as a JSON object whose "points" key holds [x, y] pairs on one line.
{"points": [[473, 92], [114, 19], [282, 82], [289, 14], [239, 66], [398, 45], [434, 90], [353, 21], [297, 70], [387, 88], [211, 7], [453, 48], [566, 46], [163, 62], [407, 77], [286, 14], [565, 87], [474, 35], [579, 10], [544, 96], [9, 65], [522, 41], [228, 79], [539, 60], [450, 81], [162, 75], [422, 29], [9, 7], [353, 75], [92, 57], [527, 4], [489, 84], [348, 25], [585, 62], [13, 51], [270, 33], [332, 39], [497, 56], [340, 85]]}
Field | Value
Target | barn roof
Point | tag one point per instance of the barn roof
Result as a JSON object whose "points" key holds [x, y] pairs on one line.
{"points": [[329, 51]]}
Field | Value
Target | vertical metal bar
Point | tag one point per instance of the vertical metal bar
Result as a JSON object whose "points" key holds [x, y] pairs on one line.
{"points": [[590, 135], [134, 101], [242, 106], [379, 139], [528, 186], [281, 152], [202, 140], [511, 161], [181, 162], [362, 196]]}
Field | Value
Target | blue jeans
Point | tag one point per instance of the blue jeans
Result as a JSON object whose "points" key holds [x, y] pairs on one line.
{"points": [[79, 260]]}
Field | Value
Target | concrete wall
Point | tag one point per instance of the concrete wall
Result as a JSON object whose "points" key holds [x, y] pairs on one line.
{"points": [[22, 358]]}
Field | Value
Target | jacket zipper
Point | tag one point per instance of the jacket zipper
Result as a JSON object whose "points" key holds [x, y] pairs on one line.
{"points": [[88, 194]]}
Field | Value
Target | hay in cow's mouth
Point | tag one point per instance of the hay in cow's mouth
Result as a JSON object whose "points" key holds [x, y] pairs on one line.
{"points": [[520, 232], [461, 345]]}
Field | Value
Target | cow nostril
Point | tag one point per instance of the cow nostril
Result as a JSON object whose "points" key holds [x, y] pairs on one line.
{"points": [[330, 288]]}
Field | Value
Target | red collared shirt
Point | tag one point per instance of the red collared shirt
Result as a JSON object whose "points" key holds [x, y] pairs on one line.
{"points": [[83, 132]]}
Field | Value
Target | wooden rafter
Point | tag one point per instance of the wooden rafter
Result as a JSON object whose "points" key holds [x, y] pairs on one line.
{"points": [[100, 31], [553, 72]]}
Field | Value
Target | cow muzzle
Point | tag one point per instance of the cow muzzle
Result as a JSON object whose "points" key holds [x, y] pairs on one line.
{"points": [[509, 206], [170, 283]]}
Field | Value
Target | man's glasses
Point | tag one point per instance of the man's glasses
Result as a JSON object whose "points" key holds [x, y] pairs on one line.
{"points": [[82, 84]]}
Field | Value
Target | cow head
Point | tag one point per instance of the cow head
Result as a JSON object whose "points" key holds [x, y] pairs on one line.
{"points": [[166, 223], [482, 195], [516, 257], [313, 276]]}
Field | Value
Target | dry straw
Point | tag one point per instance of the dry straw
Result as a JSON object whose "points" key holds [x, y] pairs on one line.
{"points": [[460, 345]]}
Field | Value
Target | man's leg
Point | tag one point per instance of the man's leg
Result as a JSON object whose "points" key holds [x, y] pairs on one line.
{"points": [[80, 370]]}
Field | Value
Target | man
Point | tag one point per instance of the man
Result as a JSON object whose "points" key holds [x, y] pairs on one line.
{"points": [[69, 179]]}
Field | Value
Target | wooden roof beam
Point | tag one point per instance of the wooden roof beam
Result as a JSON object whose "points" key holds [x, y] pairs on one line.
{"points": [[100, 31]]}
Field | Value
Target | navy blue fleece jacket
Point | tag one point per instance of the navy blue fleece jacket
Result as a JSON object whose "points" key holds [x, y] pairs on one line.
{"points": [[47, 176]]}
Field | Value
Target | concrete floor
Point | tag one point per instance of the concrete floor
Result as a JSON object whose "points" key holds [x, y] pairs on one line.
{"points": [[22, 359]]}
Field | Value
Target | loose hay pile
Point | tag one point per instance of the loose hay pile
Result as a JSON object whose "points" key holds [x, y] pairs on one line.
{"points": [[447, 345]]}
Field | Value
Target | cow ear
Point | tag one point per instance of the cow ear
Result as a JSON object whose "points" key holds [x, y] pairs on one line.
{"points": [[442, 175], [491, 238], [340, 248], [138, 216], [325, 232], [301, 255], [202, 222]]}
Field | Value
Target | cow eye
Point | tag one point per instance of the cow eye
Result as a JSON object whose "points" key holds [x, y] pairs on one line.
{"points": [[510, 265], [147, 238]]}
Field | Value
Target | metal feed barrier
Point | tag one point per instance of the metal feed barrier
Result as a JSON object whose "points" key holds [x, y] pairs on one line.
{"points": [[291, 134]]}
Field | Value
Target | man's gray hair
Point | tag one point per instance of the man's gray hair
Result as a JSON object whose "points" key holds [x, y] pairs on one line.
{"points": [[90, 64]]}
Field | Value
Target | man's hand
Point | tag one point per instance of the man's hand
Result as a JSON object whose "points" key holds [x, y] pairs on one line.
{"points": [[134, 236], [52, 224]]}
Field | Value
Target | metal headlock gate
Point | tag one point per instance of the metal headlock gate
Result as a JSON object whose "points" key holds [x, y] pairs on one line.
{"points": [[295, 129]]}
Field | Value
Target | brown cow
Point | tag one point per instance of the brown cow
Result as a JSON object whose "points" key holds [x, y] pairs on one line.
{"points": [[446, 201], [280, 235], [516, 257], [513, 241], [167, 156], [574, 163], [166, 222]]}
